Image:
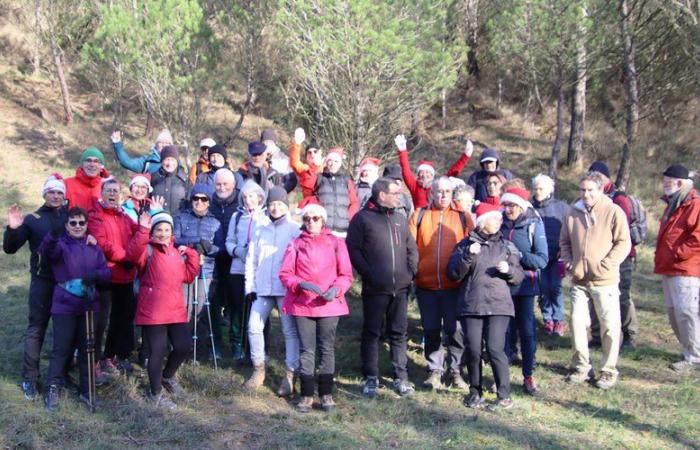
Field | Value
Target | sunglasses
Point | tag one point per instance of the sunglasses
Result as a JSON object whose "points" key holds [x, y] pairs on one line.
{"points": [[200, 199], [77, 223], [309, 219]]}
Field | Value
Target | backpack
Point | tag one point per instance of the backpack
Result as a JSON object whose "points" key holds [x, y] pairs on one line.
{"points": [[638, 219], [149, 252]]}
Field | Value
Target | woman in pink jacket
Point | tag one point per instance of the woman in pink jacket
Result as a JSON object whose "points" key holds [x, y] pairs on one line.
{"points": [[160, 308], [316, 272]]}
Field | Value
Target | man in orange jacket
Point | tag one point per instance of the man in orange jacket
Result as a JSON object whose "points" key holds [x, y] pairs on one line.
{"points": [[678, 260]]}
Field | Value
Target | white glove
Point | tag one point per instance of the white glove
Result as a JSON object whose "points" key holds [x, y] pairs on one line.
{"points": [[400, 141], [116, 136], [469, 149], [502, 267], [299, 136], [475, 248]]}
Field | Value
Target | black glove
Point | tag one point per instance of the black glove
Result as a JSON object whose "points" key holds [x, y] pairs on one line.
{"points": [[250, 298], [89, 280], [309, 286], [206, 246], [128, 265], [199, 248], [330, 294]]}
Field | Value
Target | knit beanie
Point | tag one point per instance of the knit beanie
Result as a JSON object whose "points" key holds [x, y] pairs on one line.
{"points": [[600, 167], [92, 152], [489, 155], [392, 171], [141, 178], [518, 197], [202, 189], [256, 148], [161, 217], [164, 136], [486, 210], [277, 194], [314, 209], [268, 135], [54, 183], [218, 148], [169, 151]]}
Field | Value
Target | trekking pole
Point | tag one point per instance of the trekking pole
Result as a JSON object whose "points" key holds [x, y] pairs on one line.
{"points": [[211, 327], [195, 303], [244, 333], [90, 351]]}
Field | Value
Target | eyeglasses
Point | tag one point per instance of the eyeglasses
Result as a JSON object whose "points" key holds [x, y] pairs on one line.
{"points": [[77, 223], [395, 194], [309, 219], [200, 199]]}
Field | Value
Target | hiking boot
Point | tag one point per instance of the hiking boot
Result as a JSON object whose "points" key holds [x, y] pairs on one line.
{"points": [[434, 381], [369, 389], [327, 402], [305, 404], [474, 401], [161, 401], [51, 398], [595, 343], [548, 327], [125, 367], [606, 381], [101, 378], [108, 367], [29, 390], [256, 379], [457, 381], [530, 386], [559, 328], [684, 366], [172, 386], [403, 387], [501, 404], [287, 384], [577, 377], [628, 343], [237, 352]]}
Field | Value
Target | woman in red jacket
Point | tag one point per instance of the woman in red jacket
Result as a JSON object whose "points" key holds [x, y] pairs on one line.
{"points": [[160, 307], [316, 272]]}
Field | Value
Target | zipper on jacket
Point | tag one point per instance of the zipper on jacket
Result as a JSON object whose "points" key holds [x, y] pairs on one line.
{"points": [[393, 255], [439, 246], [274, 239]]}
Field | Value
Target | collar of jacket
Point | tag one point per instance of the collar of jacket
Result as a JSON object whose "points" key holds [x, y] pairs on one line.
{"points": [[224, 201], [194, 214], [306, 235], [478, 236], [107, 210], [91, 181], [372, 205], [544, 202]]}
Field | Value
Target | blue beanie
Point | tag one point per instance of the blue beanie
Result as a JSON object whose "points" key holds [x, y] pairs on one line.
{"points": [[202, 189], [256, 148], [600, 167], [489, 154]]}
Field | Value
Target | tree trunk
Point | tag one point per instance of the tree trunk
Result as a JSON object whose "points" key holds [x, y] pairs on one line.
{"points": [[361, 145], [499, 99], [472, 8], [632, 103], [554, 161], [150, 122], [36, 44], [249, 97], [578, 101], [65, 94], [443, 96]]}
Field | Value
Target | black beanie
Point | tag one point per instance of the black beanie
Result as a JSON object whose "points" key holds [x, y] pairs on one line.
{"points": [[677, 171], [600, 167], [220, 149], [312, 144], [169, 151], [393, 171], [277, 194]]}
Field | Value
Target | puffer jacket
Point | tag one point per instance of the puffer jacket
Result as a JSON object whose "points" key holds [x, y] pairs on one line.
{"points": [[113, 230], [484, 291], [552, 212], [189, 229], [82, 191], [149, 163], [73, 259], [528, 236], [241, 230], [322, 260], [173, 187], [337, 194], [678, 242], [160, 299], [382, 250], [436, 237], [34, 228], [265, 253]]}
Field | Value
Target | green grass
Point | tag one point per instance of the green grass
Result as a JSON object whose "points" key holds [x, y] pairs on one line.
{"points": [[650, 408]]}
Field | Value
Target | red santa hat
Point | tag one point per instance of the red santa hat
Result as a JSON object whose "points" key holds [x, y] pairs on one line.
{"points": [[424, 164], [486, 210], [54, 183], [517, 196], [141, 178], [370, 166], [337, 153]]}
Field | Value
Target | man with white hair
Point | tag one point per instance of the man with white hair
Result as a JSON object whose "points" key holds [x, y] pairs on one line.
{"points": [[149, 163], [552, 212], [677, 259]]}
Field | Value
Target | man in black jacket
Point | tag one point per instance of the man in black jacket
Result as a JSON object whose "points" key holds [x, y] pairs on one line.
{"points": [[385, 255], [49, 217]]}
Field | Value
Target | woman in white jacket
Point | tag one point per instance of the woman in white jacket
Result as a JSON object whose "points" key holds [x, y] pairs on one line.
{"points": [[249, 216], [264, 289]]}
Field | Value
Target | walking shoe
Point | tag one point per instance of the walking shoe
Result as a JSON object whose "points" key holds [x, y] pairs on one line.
{"points": [[606, 381], [577, 377], [85, 399], [548, 327], [530, 386], [305, 404], [125, 367], [595, 343], [628, 343], [684, 366], [51, 398], [29, 390], [108, 367], [501, 404], [559, 328], [256, 379], [434, 381], [287, 384], [101, 378], [237, 352], [457, 381], [161, 401], [403, 387], [474, 401], [171, 385], [327, 402], [370, 387]]}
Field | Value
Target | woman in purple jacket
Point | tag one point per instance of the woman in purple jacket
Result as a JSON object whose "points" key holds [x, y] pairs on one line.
{"points": [[77, 263]]}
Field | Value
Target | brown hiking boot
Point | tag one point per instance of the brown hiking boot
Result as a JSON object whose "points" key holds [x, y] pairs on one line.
{"points": [[256, 379], [327, 402], [305, 404], [287, 384]]}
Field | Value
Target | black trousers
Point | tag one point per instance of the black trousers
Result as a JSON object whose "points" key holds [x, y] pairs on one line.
{"points": [[375, 310], [157, 336], [68, 333], [316, 333], [120, 335], [40, 293], [492, 329]]}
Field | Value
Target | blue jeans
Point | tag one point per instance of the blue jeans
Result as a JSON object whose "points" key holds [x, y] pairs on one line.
{"points": [[524, 322], [438, 312], [551, 297]]}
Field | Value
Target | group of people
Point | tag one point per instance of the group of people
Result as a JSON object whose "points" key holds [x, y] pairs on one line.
{"points": [[477, 253]]}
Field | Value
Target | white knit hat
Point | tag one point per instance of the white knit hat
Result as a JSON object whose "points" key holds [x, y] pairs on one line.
{"points": [[164, 136], [161, 217], [54, 183], [141, 179], [207, 142], [314, 209]]}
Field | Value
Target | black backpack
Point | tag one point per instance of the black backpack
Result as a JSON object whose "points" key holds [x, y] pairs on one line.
{"points": [[638, 219]]}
